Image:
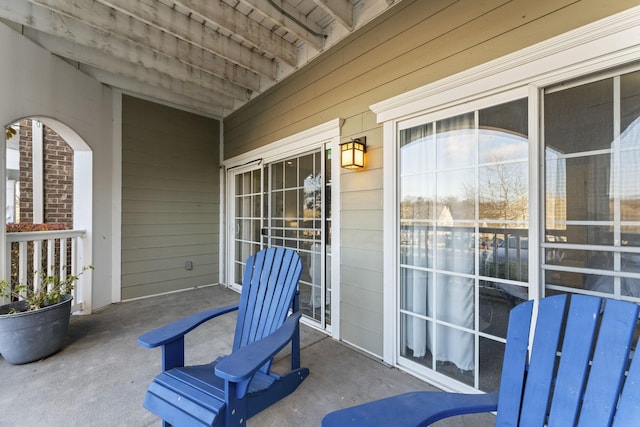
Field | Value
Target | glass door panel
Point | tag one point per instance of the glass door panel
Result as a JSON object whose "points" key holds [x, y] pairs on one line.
{"points": [[463, 208], [297, 220], [287, 203], [592, 195], [246, 220]]}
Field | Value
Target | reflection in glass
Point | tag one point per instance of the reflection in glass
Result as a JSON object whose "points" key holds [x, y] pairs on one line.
{"points": [[246, 183], [495, 305], [415, 290], [456, 193], [417, 154], [277, 204], [630, 262], [451, 359], [416, 244], [290, 213], [417, 194], [455, 288], [505, 255], [491, 358], [503, 132], [238, 185], [290, 173], [456, 142], [256, 182], [277, 176], [630, 149], [255, 203], [586, 176], [503, 191], [312, 196], [413, 336], [629, 105], [455, 249], [579, 119]]}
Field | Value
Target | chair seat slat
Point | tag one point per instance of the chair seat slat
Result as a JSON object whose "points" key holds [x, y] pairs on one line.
{"points": [[167, 399]]}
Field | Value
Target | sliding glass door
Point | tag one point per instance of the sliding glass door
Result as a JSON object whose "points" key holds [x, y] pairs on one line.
{"points": [[287, 203], [463, 235]]}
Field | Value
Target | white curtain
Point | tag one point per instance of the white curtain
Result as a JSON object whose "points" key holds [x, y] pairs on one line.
{"points": [[445, 297]]}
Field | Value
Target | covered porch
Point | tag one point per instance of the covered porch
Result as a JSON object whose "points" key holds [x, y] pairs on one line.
{"points": [[100, 376]]}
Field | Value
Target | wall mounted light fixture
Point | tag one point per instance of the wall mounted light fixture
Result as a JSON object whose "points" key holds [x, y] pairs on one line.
{"points": [[352, 153]]}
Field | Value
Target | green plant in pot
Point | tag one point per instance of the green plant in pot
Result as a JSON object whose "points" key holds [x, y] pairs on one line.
{"points": [[34, 325]]}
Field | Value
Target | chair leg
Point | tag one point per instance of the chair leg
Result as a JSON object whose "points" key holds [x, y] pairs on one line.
{"points": [[295, 340]]}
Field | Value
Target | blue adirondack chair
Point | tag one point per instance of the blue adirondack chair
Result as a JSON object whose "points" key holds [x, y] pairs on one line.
{"points": [[233, 388], [579, 371]]}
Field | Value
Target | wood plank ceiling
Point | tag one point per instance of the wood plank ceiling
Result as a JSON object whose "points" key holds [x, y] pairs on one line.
{"points": [[205, 56]]}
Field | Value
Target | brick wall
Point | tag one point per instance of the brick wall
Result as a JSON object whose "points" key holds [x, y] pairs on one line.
{"points": [[57, 175], [26, 173]]}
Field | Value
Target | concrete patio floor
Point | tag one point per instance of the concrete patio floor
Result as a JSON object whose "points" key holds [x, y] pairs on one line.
{"points": [[100, 376]]}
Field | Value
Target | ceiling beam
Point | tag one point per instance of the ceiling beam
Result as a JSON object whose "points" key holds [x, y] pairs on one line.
{"points": [[282, 14], [136, 71], [212, 55], [207, 105], [157, 14], [85, 43], [340, 10]]}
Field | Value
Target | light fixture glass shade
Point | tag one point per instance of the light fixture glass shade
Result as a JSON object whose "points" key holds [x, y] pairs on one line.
{"points": [[352, 154]]}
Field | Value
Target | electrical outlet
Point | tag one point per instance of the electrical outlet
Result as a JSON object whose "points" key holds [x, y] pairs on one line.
{"points": [[188, 265]]}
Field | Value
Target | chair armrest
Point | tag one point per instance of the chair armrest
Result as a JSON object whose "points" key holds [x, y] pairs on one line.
{"points": [[178, 329], [420, 408], [242, 364]]}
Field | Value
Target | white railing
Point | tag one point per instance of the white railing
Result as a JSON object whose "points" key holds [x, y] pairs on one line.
{"points": [[32, 253]]}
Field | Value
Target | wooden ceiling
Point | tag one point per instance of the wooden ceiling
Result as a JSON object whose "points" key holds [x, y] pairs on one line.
{"points": [[205, 56]]}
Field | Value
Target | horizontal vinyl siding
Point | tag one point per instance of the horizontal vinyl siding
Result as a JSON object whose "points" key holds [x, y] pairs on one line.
{"points": [[413, 44], [170, 199]]}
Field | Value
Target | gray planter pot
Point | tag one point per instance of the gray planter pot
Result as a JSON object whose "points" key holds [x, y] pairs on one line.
{"points": [[31, 335]]}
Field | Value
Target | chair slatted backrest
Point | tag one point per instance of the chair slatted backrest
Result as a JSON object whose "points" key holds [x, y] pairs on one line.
{"points": [[629, 405], [574, 365], [610, 361], [269, 284], [576, 368]]}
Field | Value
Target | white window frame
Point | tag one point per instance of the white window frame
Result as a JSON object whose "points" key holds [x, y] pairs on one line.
{"points": [[611, 42]]}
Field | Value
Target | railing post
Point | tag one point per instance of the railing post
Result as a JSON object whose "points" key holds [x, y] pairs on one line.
{"points": [[51, 256], [22, 262], [78, 292], [7, 266]]}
